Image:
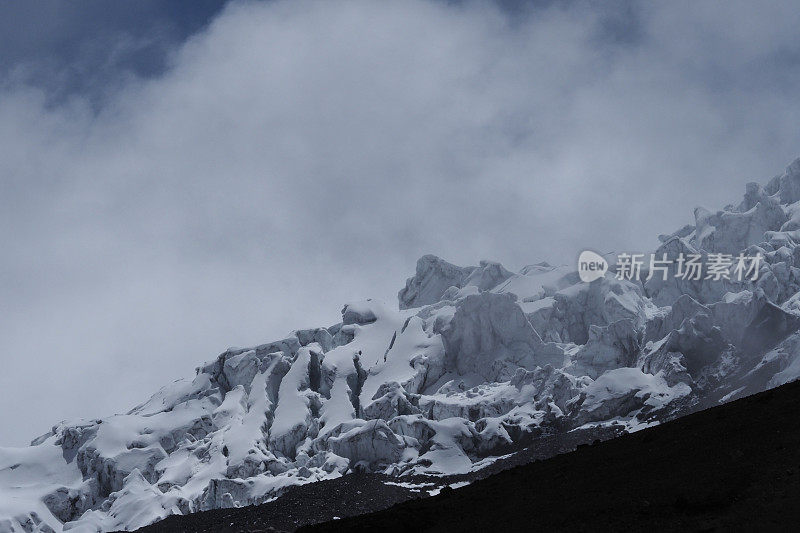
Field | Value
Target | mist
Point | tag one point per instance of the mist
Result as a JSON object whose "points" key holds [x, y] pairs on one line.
{"points": [[290, 157]]}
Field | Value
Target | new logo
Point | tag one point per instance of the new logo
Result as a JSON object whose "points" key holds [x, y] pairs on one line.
{"points": [[591, 266]]}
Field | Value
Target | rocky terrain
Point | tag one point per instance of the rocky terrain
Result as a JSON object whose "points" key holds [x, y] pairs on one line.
{"points": [[475, 363], [360, 493], [731, 468]]}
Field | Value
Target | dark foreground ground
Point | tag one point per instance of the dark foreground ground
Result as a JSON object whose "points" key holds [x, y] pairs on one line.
{"points": [[731, 468]]}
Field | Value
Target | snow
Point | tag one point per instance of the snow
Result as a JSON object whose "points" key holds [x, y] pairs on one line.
{"points": [[536, 281], [27, 475], [731, 395], [396, 364], [788, 355], [474, 358], [454, 486], [292, 414], [368, 348], [531, 307], [414, 487], [135, 506], [618, 383]]}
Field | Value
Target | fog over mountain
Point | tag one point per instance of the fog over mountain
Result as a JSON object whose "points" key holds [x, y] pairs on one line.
{"points": [[268, 162]]}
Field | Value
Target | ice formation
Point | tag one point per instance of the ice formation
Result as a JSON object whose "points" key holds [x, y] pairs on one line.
{"points": [[471, 361]]}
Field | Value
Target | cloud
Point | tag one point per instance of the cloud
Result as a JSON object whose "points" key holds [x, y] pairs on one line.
{"points": [[298, 155], [91, 48]]}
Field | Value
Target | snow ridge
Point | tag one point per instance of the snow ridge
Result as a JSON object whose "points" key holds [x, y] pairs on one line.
{"points": [[472, 361]]}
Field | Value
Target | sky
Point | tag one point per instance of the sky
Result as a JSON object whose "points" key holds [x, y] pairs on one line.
{"points": [[181, 177]]}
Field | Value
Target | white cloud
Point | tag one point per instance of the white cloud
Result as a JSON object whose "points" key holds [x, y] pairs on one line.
{"points": [[301, 154]]}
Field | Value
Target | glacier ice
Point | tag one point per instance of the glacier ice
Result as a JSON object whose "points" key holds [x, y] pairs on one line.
{"points": [[471, 360]]}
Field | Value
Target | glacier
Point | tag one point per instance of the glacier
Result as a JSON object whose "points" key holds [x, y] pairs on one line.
{"points": [[469, 363]]}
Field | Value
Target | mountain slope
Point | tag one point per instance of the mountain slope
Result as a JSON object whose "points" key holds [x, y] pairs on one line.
{"points": [[474, 363], [731, 468], [361, 493]]}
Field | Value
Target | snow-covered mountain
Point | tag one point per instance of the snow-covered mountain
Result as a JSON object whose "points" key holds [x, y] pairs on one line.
{"points": [[472, 361]]}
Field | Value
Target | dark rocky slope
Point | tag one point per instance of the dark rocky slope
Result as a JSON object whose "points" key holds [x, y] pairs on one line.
{"points": [[730, 468]]}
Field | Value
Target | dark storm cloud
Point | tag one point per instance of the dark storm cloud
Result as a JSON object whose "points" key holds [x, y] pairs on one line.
{"points": [[296, 155]]}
